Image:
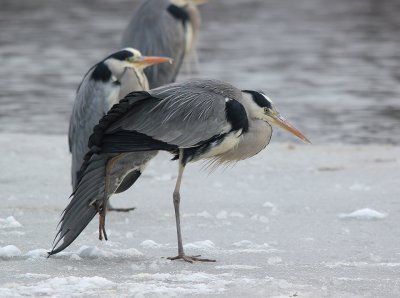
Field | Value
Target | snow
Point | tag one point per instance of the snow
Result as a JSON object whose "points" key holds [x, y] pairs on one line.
{"points": [[9, 251], [222, 215], [92, 252], [359, 187], [363, 214], [150, 244], [275, 234], [272, 208], [237, 267], [62, 287], [206, 244], [9, 222], [204, 214], [37, 253], [274, 260]]}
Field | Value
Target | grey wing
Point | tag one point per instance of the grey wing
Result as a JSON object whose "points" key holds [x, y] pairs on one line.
{"points": [[182, 114], [153, 31], [91, 103]]}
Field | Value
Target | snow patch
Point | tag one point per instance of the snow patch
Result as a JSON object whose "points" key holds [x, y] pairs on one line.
{"points": [[363, 214], [222, 215], [90, 252], [237, 267], [9, 222], [359, 187], [9, 251], [274, 260], [206, 244], [72, 286], [150, 244], [247, 246], [204, 214], [260, 218], [236, 214], [37, 253], [93, 252], [272, 208], [33, 275], [250, 244]]}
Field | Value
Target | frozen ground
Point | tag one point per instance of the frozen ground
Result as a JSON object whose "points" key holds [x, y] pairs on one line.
{"points": [[311, 221]]}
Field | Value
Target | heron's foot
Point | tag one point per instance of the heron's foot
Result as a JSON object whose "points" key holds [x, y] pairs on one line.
{"points": [[110, 208], [190, 259]]}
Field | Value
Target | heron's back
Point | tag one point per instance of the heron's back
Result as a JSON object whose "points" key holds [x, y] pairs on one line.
{"points": [[154, 31]]}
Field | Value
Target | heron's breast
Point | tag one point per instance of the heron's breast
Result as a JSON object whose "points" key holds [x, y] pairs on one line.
{"points": [[251, 142], [228, 143]]}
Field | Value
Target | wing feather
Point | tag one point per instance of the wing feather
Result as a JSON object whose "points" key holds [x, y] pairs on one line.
{"points": [[91, 104], [153, 31], [181, 115]]}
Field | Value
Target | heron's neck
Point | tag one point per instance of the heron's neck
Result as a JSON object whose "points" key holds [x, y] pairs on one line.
{"points": [[256, 138], [132, 80]]}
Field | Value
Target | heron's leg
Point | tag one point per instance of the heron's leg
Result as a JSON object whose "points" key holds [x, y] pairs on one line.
{"points": [[124, 174], [102, 223], [177, 200], [102, 205]]}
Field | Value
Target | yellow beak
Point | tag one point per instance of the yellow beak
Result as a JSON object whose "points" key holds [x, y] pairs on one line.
{"points": [[146, 61], [281, 122]]}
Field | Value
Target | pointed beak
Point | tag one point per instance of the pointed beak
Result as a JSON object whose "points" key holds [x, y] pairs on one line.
{"points": [[151, 60], [281, 122]]}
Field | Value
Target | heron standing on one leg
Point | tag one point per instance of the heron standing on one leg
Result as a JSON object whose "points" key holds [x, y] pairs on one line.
{"points": [[102, 87], [194, 120], [164, 28]]}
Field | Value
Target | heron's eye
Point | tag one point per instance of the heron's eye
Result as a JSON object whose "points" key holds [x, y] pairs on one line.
{"points": [[266, 110], [132, 58]]}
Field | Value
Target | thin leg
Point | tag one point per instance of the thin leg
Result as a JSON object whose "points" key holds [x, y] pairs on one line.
{"points": [[102, 224], [102, 205], [177, 200]]}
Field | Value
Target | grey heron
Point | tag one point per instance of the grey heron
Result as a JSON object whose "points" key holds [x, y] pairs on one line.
{"points": [[194, 120], [164, 28], [103, 86]]}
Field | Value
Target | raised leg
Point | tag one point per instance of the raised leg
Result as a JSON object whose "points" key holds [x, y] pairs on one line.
{"points": [[177, 200], [102, 224]]}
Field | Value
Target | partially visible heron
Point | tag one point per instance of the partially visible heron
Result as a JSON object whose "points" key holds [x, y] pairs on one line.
{"points": [[193, 120], [164, 28], [103, 86]]}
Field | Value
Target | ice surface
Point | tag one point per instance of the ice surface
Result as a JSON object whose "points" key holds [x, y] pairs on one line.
{"points": [[366, 213], [61, 287], [306, 250], [222, 215]]}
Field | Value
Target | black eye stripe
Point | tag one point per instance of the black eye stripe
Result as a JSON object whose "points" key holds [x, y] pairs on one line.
{"points": [[121, 55], [259, 99]]}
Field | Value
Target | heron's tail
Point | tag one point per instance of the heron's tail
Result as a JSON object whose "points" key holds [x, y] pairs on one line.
{"points": [[87, 198]]}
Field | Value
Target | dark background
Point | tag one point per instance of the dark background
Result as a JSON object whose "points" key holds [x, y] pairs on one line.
{"points": [[332, 67]]}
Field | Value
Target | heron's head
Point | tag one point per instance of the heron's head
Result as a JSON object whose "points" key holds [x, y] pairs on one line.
{"points": [[131, 58], [183, 3], [263, 108]]}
